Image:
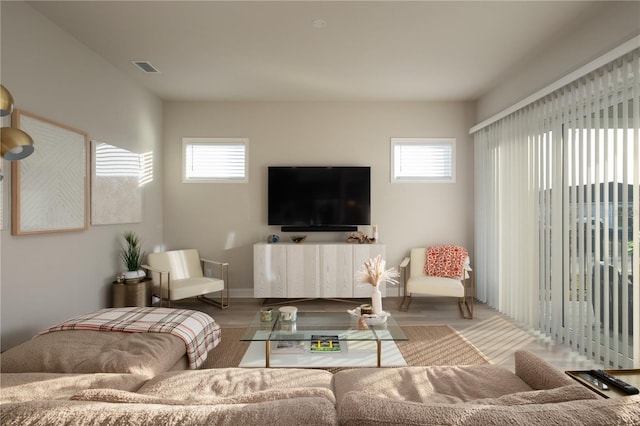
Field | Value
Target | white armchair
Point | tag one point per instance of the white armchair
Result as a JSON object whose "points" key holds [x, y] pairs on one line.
{"points": [[417, 282], [179, 274]]}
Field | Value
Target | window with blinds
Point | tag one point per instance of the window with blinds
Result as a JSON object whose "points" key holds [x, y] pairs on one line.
{"points": [[423, 160], [215, 160]]}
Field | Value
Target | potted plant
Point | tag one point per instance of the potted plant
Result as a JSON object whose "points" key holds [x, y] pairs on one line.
{"points": [[131, 254]]}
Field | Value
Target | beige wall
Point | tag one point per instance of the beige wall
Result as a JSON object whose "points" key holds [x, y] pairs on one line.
{"points": [[50, 277], [224, 220], [615, 23]]}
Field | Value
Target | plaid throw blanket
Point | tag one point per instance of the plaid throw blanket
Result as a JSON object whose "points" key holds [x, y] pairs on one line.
{"points": [[199, 332]]}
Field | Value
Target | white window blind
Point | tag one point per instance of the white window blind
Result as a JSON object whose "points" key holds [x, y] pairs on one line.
{"points": [[215, 159], [557, 188], [423, 160]]}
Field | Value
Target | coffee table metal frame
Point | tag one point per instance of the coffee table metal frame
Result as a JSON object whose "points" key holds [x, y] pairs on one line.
{"points": [[307, 324]]}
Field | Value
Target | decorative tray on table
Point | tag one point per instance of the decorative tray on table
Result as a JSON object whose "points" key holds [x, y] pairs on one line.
{"points": [[370, 319]]}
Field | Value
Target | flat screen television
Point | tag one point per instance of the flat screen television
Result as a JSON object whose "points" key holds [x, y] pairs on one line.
{"points": [[319, 198]]}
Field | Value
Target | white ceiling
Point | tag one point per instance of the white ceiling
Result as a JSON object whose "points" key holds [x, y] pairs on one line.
{"points": [[271, 51]]}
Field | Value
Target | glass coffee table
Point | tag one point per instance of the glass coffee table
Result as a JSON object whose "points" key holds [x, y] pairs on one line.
{"points": [[322, 339]]}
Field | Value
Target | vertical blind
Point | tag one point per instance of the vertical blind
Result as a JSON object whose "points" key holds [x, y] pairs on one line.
{"points": [[557, 218]]}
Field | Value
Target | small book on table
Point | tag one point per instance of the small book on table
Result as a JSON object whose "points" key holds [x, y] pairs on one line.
{"points": [[324, 343]]}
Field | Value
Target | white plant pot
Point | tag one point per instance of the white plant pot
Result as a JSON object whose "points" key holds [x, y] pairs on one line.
{"points": [[133, 276]]}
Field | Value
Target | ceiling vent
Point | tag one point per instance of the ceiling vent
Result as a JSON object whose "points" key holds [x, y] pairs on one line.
{"points": [[146, 67]]}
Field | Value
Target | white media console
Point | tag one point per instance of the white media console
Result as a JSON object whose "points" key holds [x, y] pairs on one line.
{"points": [[312, 270]]}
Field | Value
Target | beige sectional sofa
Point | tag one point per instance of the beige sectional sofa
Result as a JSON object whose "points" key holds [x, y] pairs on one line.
{"points": [[458, 395], [482, 395]]}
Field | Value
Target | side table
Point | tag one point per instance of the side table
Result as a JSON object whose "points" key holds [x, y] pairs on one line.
{"points": [[131, 294]]}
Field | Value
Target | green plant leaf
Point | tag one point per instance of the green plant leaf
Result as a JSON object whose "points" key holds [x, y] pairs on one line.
{"points": [[131, 253]]}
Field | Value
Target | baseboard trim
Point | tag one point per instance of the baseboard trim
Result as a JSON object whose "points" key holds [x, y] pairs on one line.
{"points": [[247, 293]]}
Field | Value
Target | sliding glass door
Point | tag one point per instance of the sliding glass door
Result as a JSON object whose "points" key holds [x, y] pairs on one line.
{"points": [[600, 151], [557, 214]]}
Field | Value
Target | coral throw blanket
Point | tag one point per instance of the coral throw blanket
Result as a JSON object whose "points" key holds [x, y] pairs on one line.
{"points": [[445, 261], [198, 330]]}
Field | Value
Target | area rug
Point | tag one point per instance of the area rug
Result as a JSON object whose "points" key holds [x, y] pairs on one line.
{"points": [[491, 334], [427, 345]]}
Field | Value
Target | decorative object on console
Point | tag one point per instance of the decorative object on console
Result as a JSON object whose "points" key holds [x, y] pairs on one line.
{"points": [[360, 238], [132, 255], [273, 238], [298, 238], [374, 273]]}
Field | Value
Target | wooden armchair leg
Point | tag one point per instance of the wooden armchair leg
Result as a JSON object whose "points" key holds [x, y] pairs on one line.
{"points": [[466, 309], [215, 303], [406, 299], [404, 304], [224, 293], [222, 304], [466, 302]]}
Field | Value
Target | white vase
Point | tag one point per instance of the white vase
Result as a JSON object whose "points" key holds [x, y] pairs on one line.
{"points": [[376, 300]]}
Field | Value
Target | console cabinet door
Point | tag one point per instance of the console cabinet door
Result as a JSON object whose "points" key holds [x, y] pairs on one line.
{"points": [[336, 271], [269, 270], [303, 271], [362, 253]]}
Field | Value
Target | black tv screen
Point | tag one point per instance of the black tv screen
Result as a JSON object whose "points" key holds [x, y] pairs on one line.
{"points": [[319, 198]]}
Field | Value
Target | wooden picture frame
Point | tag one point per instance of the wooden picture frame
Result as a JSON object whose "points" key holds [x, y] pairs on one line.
{"points": [[1, 201], [50, 188]]}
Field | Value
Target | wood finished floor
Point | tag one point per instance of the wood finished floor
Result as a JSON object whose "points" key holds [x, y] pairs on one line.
{"points": [[497, 336]]}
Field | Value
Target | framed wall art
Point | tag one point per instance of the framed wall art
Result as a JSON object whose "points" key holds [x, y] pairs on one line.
{"points": [[116, 192], [50, 188]]}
